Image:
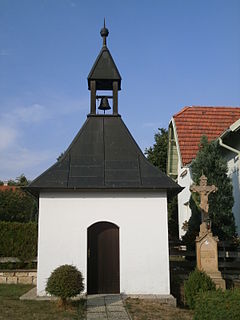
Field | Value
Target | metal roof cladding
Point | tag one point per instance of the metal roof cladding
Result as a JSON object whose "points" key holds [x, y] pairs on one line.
{"points": [[103, 155]]}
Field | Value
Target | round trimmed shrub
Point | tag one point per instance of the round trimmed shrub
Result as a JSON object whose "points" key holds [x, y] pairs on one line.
{"points": [[197, 282], [65, 282]]}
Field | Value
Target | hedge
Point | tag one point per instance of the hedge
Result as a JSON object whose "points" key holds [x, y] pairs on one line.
{"points": [[218, 305], [198, 281], [17, 206], [18, 240]]}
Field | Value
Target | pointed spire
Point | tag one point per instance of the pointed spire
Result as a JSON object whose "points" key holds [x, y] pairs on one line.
{"points": [[104, 70], [104, 33]]}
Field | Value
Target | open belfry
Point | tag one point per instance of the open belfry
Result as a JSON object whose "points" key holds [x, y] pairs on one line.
{"points": [[103, 206]]}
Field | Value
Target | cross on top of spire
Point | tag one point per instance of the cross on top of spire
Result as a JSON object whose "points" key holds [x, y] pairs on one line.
{"points": [[104, 33]]}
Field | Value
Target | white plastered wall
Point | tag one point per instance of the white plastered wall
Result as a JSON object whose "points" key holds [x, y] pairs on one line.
{"points": [[184, 211], [233, 163], [142, 221]]}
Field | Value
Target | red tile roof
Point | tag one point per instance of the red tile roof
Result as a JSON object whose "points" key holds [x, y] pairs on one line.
{"points": [[4, 188], [193, 122]]}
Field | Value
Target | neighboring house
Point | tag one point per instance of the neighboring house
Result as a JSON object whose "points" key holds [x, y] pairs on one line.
{"points": [[230, 142], [185, 131], [103, 206]]}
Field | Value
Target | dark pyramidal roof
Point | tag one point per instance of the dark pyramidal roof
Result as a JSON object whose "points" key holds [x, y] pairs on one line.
{"points": [[104, 71], [103, 155]]}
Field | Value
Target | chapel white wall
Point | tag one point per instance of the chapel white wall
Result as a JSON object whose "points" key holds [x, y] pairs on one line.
{"points": [[142, 220]]}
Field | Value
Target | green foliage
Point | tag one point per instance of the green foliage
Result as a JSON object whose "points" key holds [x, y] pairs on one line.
{"points": [[193, 224], [18, 240], [12, 182], [197, 282], [17, 206], [218, 305], [157, 154], [18, 265], [20, 181], [210, 162], [65, 282]]}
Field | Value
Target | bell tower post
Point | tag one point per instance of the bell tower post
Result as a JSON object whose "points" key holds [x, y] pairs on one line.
{"points": [[93, 96]]}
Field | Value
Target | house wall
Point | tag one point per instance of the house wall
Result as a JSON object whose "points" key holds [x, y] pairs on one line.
{"points": [[233, 163], [184, 211], [142, 220]]}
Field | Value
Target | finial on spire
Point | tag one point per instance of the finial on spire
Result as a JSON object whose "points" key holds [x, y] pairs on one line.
{"points": [[104, 33]]}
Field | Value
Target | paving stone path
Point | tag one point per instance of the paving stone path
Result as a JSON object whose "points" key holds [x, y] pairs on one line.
{"points": [[109, 307]]}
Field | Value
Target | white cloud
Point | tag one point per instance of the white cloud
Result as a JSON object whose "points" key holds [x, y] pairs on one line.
{"points": [[8, 137], [34, 113], [17, 154], [38, 112], [20, 160]]}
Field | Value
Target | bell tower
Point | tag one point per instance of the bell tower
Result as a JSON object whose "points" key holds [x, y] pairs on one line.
{"points": [[104, 76]]}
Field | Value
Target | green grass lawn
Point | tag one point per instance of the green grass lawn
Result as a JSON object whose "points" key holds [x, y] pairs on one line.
{"points": [[11, 308], [14, 309]]}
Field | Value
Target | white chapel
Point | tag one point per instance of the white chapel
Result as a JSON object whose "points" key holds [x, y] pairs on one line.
{"points": [[103, 206]]}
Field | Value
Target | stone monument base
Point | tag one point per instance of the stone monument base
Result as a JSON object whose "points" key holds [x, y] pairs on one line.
{"points": [[218, 280], [207, 255]]}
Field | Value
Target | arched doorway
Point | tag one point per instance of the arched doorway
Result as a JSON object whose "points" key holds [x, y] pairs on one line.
{"points": [[103, 258]]}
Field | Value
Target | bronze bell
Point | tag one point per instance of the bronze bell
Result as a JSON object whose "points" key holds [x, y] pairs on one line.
{"points": [[104, 105]]}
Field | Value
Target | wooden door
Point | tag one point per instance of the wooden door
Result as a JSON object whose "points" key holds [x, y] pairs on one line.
{"points": [[103, 258]]}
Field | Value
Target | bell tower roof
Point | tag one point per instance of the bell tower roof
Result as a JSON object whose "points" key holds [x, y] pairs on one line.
{"points": [[104, 70]]}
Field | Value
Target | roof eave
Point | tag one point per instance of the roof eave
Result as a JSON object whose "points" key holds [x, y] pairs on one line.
{"points": [[37, 190]]}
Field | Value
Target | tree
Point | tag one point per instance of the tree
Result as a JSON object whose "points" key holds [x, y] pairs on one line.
{"points": [[20, 181], [210, 163], [17, 206], [157, 155]]}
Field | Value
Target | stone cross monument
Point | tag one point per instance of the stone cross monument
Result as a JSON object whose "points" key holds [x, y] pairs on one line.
{"points": [[204, 190], [206, 243]]}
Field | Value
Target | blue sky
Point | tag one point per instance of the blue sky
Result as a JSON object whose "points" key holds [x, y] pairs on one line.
{"points": [[170, 54]]}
